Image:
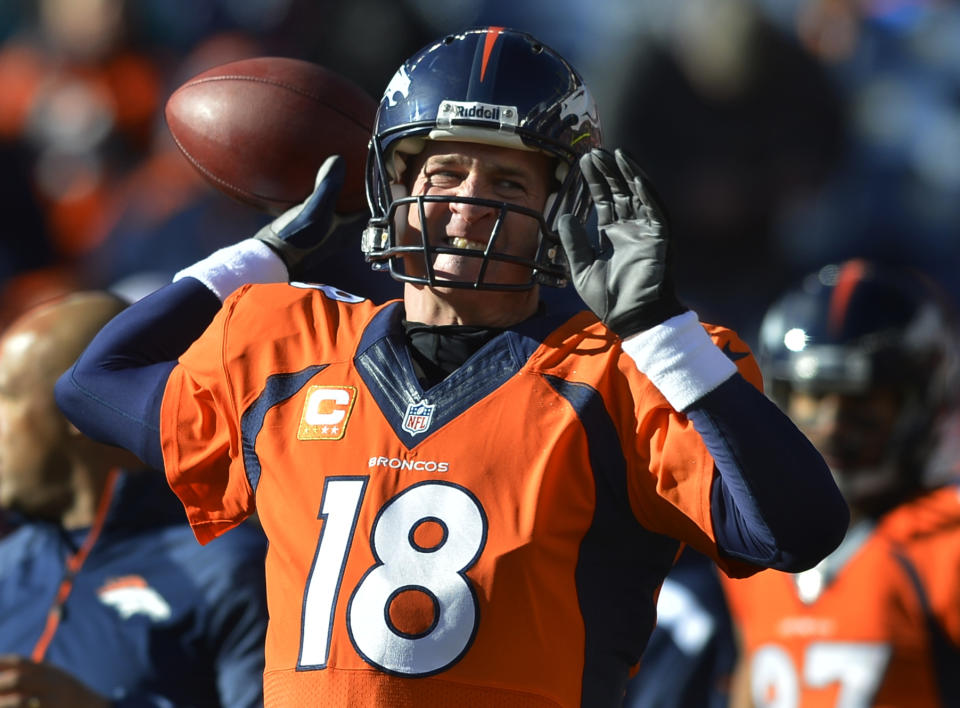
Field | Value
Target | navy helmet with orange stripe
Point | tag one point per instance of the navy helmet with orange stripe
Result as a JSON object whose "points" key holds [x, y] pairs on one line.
{"points": [[489, 85], [853, 328]]}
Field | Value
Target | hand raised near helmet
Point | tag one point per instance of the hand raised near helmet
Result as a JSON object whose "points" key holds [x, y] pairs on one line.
{"points": [[627, 282]]}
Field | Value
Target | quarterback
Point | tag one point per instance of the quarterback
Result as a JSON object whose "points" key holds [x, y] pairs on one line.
{"points": [[470, 498]]}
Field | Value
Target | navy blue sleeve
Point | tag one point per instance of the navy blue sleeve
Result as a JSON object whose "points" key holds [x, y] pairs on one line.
{"points": [[774, 501], [113, 392]]}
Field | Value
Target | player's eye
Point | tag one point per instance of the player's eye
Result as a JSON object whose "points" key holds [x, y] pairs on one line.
{"points": [[511, 185], [444, 178]]}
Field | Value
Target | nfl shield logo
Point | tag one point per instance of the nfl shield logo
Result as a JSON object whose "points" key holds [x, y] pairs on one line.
{"points": [[418, 417]]}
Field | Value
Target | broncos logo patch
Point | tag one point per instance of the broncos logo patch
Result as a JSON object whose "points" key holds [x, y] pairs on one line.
{"points": [[131, 595]]}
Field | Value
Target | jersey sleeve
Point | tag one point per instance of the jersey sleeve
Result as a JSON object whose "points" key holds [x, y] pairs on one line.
{"points": [[200, 434], [671, 483], [262, 333]]}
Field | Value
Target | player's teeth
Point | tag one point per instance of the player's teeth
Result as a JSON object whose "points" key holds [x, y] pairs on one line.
{"points": [[460, 242]]}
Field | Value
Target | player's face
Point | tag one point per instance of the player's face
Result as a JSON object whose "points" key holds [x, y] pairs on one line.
{"points": [[853, 433], [33, 464], [456, 169]]}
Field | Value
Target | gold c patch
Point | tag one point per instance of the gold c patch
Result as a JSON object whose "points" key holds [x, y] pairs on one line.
{"points": [[326, 411]]}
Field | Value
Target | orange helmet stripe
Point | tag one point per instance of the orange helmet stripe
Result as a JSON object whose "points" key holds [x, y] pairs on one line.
{"points": [[850, 275], [491, 39]]}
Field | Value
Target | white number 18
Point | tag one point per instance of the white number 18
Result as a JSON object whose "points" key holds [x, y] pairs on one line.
{"points": [[402, 564]]}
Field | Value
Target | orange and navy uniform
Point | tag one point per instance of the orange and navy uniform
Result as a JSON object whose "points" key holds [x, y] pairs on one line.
{"points": [[498, 539], [876, 624]]}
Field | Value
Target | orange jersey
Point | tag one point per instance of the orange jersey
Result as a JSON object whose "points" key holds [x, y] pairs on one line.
{"points": [[496, 540], [879, 628]]}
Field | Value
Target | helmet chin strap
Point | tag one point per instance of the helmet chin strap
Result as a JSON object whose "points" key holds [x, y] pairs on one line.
{"points": [[399, 191]]}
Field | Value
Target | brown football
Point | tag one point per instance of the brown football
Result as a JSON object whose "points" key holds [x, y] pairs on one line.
{"points": [[259, 129]]}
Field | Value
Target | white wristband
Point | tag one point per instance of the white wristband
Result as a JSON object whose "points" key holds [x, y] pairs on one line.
{"points": [[680, 359], [249, 261]]}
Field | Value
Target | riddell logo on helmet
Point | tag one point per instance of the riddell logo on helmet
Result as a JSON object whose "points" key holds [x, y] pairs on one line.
{"points": [[478, 111], [457, 110]]}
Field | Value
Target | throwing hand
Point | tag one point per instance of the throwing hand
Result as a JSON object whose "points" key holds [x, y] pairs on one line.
{"points": [[305, 234]]}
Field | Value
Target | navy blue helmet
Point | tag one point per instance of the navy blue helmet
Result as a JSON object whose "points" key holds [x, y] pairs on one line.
{"points": [[493, 86], [852, 328]]}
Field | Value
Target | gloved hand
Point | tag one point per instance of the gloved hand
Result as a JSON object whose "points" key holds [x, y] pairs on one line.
{"points": [[305, 234], [627, 283]]}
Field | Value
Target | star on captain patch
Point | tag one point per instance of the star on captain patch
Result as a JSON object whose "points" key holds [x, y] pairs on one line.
{"points": [[326, 411]]}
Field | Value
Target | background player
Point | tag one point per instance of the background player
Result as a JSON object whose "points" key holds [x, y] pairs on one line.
{"points": [[462, 487], [864, 359], [105, 596], [692, 653]]}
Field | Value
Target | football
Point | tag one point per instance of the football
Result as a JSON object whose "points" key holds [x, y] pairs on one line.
{"points": [[258, 130]]}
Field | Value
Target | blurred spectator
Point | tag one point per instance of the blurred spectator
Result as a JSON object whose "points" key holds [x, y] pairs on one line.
{"points": [[896, 195], [23, 241], [105, 595], [83, 98]]}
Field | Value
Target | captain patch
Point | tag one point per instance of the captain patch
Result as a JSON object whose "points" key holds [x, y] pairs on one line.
{"points": [[326, 412]]}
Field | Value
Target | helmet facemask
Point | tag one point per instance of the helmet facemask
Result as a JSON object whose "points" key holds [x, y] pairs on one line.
{"points": [[384, 246]]}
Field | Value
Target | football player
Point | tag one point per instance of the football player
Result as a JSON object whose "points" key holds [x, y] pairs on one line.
{"points": [[471, 499], [864, 359]]}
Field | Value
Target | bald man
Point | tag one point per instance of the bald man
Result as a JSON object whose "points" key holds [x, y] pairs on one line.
{"points": [[106, 598]]}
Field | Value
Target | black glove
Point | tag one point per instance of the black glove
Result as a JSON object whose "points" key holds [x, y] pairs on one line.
{"points": [[303, 235], [628, 283]]}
